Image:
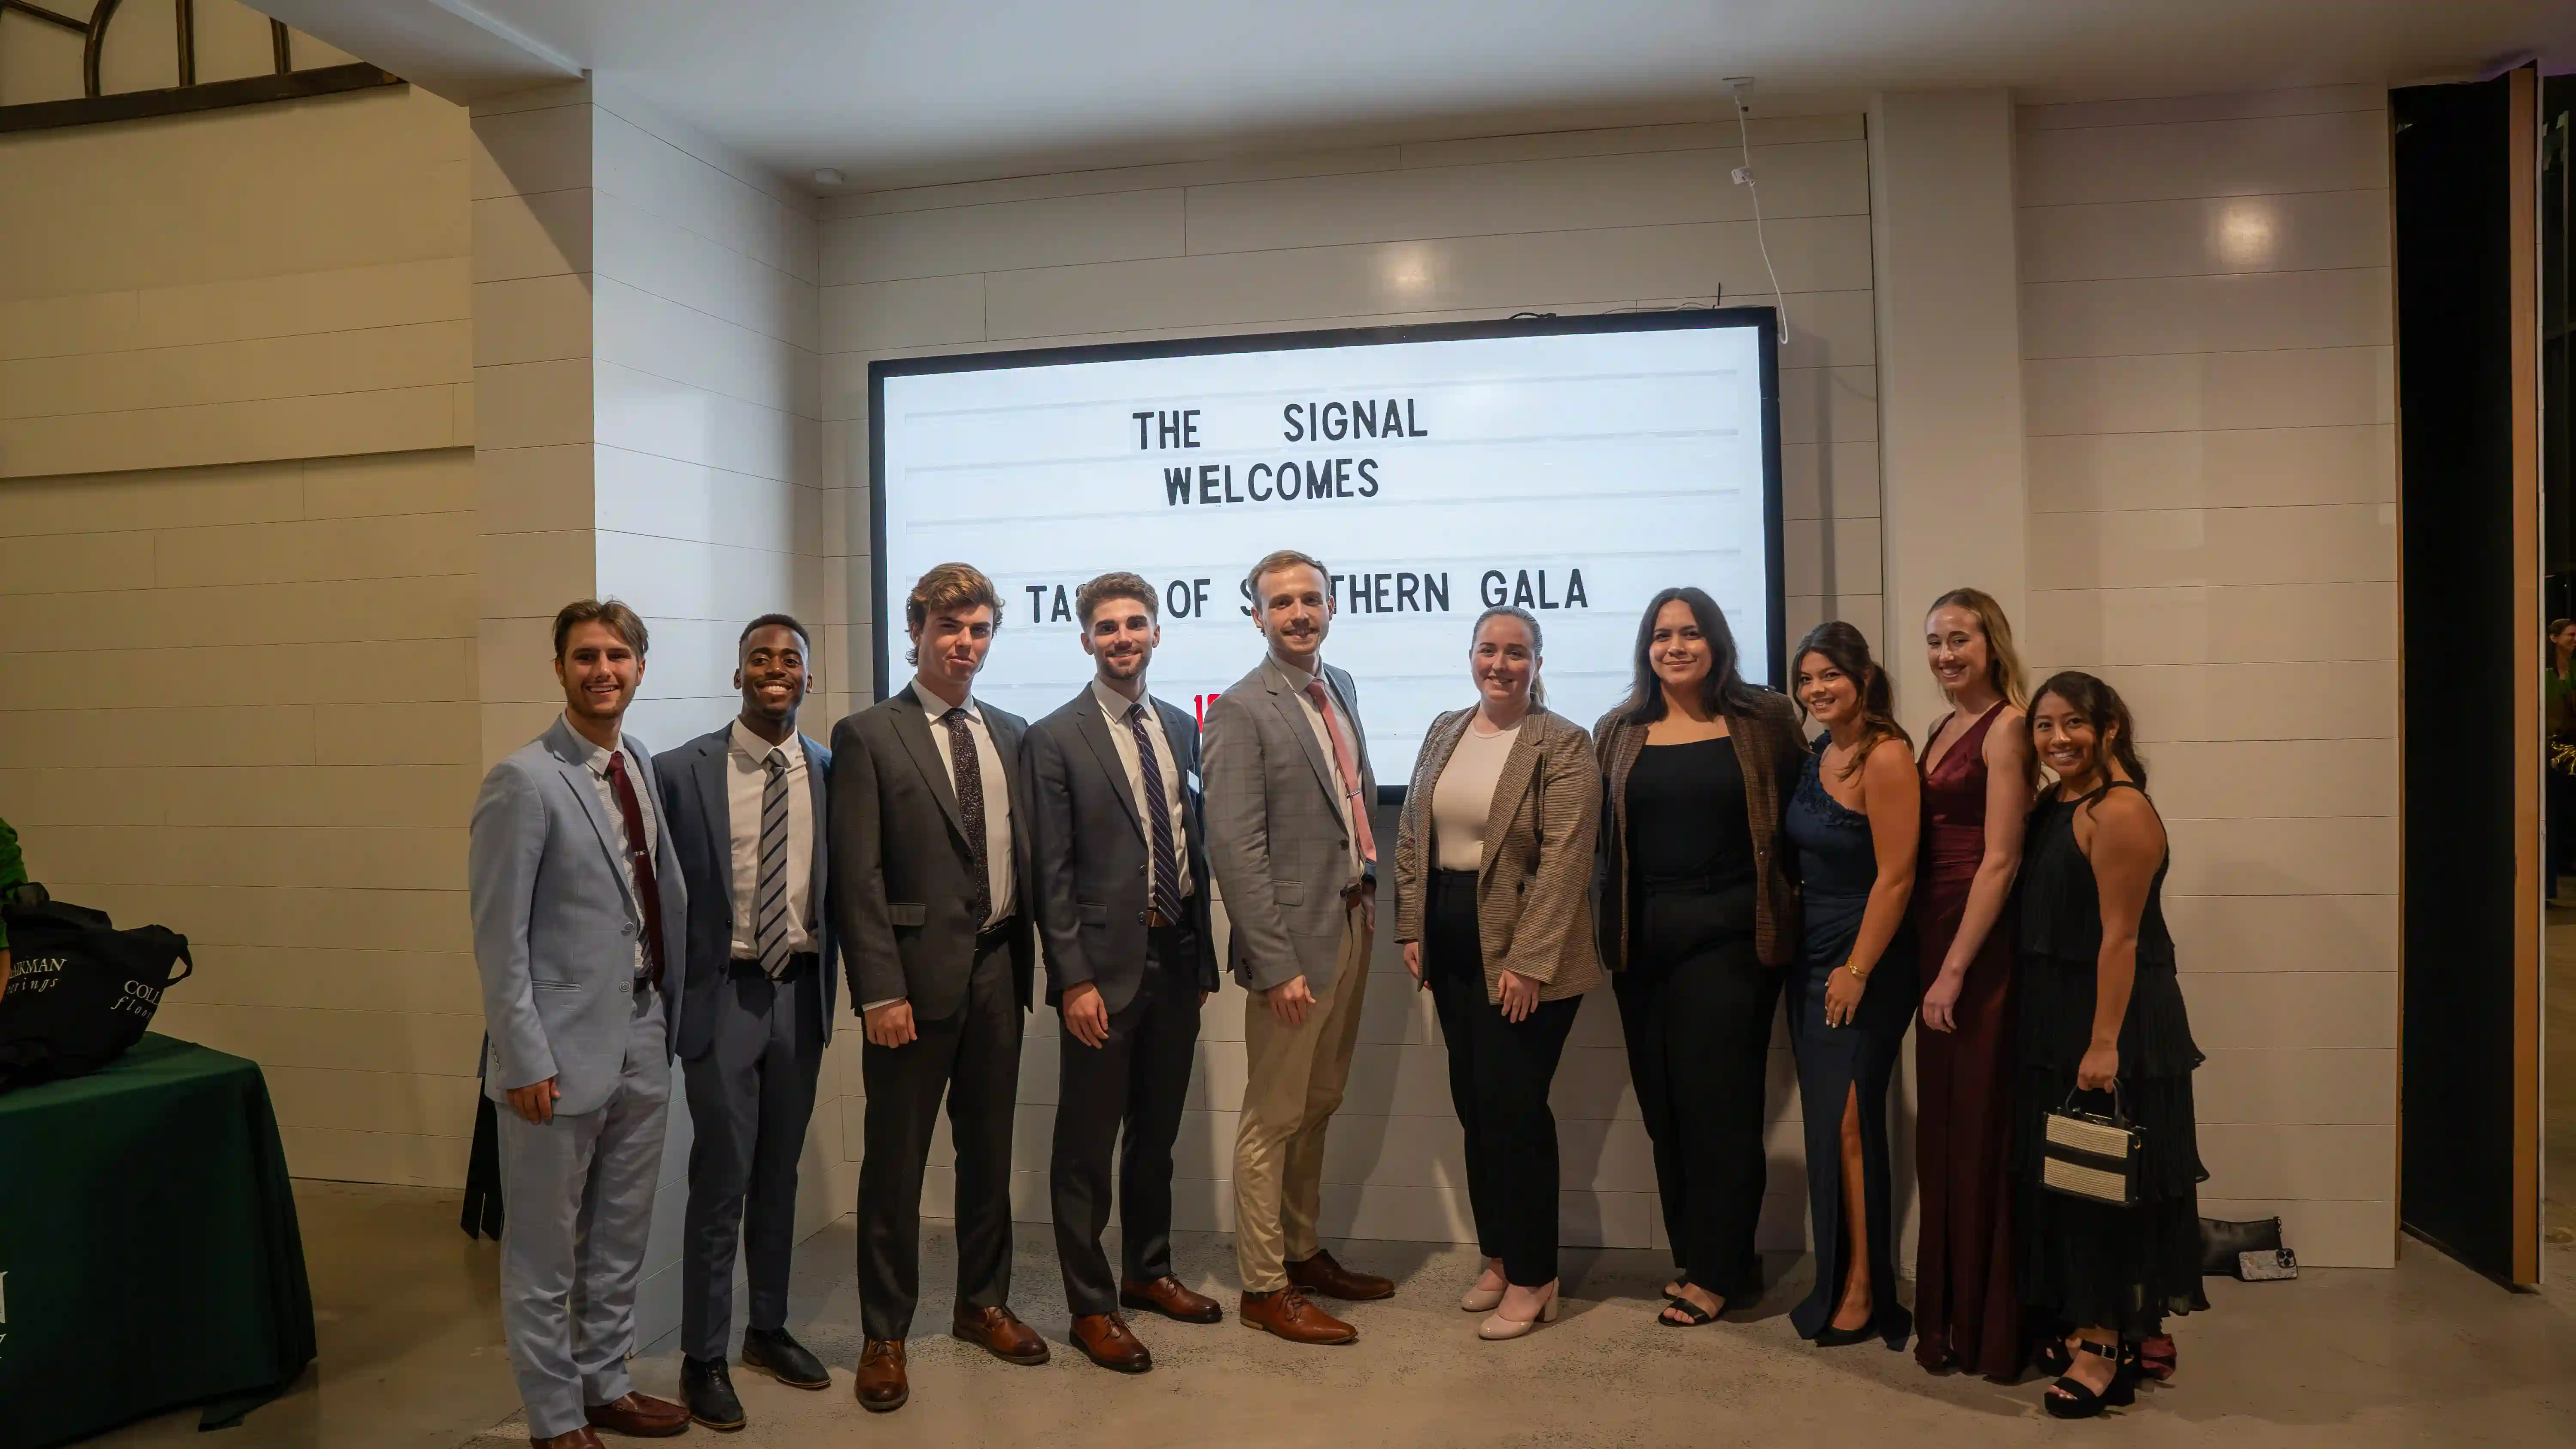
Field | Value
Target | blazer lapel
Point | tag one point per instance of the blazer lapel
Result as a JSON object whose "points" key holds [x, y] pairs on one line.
{"points": [[1293, 709], [1511, 786], [815, 785], [1094, 729], [715, 803], [912, 726], [571, 754]]}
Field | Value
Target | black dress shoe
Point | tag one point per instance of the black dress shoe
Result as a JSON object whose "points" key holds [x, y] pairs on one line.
{"points": [[775, 1352], [707, 1386]]}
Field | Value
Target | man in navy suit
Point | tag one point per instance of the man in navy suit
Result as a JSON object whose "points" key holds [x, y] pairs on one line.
{"points": [[746, 810]]}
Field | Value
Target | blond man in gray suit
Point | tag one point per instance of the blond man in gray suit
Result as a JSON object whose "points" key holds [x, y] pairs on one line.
{"points": [[1288, 791]]}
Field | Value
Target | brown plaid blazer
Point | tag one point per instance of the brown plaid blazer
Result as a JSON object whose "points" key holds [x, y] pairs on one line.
{"points": [[1768, 747], [1534, 889]]}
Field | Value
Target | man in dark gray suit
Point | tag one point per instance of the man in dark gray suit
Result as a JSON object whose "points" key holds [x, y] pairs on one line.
{"points": [[1289, 791], [745, 805], [1122, 906], [929, 836], [577, 897]]}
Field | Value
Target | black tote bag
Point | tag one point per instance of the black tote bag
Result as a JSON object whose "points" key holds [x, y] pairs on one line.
{"points": [[81, 992]]}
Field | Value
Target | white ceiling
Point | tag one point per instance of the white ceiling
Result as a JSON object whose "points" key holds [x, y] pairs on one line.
{"points": [[893, 92]]}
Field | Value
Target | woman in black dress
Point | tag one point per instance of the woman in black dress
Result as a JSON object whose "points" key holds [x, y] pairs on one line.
{"points": [[1697, 915], [2103, 1026], [1855, 822]]}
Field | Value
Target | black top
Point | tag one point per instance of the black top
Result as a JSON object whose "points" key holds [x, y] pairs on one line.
{"points": [[2061, 944], [1687, 820], [2061, 905]]}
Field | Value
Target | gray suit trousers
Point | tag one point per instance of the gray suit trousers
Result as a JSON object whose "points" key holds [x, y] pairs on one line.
{"points": [[580, 1200], [750, 1097]]}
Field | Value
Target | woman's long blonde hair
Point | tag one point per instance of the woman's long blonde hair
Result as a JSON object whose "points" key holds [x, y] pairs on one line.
{"points": [[2003, 661]]}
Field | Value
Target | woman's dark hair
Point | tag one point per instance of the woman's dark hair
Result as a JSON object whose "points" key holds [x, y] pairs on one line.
{"points": [[2101, 707], [1724, 691], [1844, 647]]}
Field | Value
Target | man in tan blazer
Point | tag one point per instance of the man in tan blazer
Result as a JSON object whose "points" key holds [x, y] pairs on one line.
{"points": [[1288, 791]]}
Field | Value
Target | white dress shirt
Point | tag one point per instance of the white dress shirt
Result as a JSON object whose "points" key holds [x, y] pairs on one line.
{"points": [[1298, 679], [1123, 739], [746, 780], [597, 759], [997, 795]]}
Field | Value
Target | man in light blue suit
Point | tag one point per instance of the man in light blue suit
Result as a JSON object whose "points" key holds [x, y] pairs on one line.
{"points": [[578, 903]]}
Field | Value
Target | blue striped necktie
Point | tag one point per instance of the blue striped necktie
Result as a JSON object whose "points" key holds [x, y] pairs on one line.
{"points": [[1158, 820], [771, 892]]}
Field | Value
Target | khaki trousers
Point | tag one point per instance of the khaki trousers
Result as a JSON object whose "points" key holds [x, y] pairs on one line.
{"points": [[1292, 1085]]}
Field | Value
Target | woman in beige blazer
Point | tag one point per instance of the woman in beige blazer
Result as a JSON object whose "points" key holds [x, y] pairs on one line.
{"points": [[1493, 869]]}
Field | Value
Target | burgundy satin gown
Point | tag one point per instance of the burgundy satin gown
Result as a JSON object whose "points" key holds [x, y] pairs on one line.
{"points": [[1967, 1310]]}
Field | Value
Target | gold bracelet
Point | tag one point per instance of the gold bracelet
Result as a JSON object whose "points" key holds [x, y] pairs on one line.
{"points": [[1856, 975]]}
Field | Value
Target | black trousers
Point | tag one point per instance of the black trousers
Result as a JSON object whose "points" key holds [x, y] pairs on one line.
{"points": [[1499, 1074], [1696, 1006], [750, 1098], [1136, 1082], [973, 1058]]}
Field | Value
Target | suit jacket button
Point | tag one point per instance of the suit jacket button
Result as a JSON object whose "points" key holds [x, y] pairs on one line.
{"points": [[1140, 918]]}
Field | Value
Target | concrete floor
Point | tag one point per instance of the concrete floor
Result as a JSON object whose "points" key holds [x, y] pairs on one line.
{"points": [[411, 1356]]}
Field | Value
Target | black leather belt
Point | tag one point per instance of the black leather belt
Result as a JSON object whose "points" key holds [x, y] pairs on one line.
{"points": [[993, 935], [1154, 919], [797, 965]]}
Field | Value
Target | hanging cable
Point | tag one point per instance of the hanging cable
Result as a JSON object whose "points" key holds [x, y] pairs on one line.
{"points": [[1744, 137]]}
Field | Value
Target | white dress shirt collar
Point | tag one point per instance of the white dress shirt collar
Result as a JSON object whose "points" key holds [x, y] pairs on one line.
{"points": [[752, 747], [1116, 705]]}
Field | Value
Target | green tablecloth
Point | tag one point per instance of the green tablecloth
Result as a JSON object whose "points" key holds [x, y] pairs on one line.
{"points": [[149, 1257]]}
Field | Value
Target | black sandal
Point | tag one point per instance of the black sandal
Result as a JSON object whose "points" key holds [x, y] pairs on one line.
{"points": [[1693, 1315], [2070, 1398], [2052, 1356]]}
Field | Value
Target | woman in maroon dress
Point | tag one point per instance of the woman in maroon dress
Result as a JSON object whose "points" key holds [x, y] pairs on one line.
{"points": [[1978, 777]]}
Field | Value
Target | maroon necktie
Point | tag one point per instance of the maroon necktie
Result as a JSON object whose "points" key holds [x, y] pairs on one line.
{"points": [[639, 859]]}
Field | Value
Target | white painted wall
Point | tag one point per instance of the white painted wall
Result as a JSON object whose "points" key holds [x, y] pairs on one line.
{"points": [[1567, 222], [237, 648], [2212, 457], [645, 307]]}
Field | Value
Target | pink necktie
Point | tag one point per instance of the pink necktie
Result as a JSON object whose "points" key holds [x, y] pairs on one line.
{"points": [[1347, 766]]}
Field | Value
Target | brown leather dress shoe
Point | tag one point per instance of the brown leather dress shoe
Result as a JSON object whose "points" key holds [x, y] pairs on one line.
{"points": [[1288, 1314], [882, 1387], [999, 1332], [581, 1438], [1320, 1274], [639, 1416], [1104, 1339], [1166, 1296]]}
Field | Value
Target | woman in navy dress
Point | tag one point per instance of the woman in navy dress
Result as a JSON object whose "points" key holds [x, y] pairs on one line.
{"points": [[1855, 821]]}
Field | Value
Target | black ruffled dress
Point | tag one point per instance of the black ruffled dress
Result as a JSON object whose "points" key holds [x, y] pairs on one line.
{"points": [[2084, 1264]]}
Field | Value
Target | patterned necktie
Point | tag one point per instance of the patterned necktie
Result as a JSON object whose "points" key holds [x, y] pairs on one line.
{"points": [[1347, 766], [639, 862], [970, 807], [771, 891], [1158, 816]]}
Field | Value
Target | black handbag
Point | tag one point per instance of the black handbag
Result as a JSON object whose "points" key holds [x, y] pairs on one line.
{"points": [[2090, 1156], [2221, 1242], [81, 992]]}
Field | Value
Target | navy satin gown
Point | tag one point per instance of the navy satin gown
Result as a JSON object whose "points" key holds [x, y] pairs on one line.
{"points": [[1838, 866]]}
